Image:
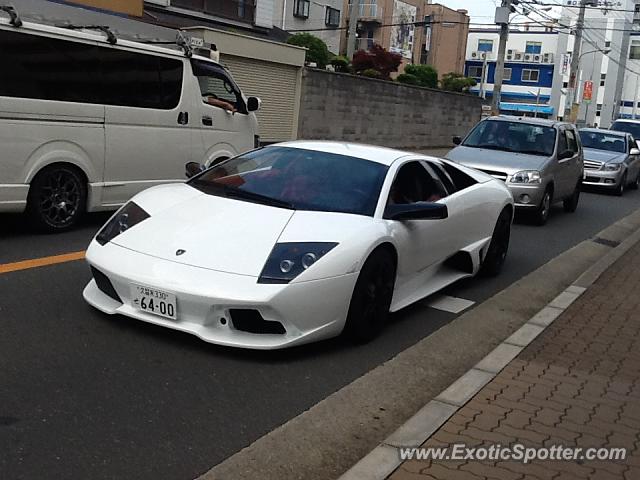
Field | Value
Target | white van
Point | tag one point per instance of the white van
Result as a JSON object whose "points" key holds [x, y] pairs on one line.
{"points": [[86, 123]]}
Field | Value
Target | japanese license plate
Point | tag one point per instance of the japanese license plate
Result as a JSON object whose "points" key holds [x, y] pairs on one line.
{"points": [[154, 301]]}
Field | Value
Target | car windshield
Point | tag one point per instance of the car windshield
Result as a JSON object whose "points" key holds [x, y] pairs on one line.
{"points": [[513, 137], [298, 179], [628, 127], [602, 141]]}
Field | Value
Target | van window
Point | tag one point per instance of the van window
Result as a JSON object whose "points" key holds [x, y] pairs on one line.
{"points": [[51, 69], [214, 82]]}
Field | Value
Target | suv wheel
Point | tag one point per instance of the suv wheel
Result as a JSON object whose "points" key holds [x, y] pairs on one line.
{"points": [[542, 212], [571, 204]]}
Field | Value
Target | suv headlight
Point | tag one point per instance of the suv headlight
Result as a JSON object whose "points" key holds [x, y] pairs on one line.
{"points": [[612, 167], [125, 218], [526, 176], [288, 260]]}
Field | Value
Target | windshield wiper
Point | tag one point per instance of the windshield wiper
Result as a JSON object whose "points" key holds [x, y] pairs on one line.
{"points": [[533, 152], [234, 192], [491, 147]]}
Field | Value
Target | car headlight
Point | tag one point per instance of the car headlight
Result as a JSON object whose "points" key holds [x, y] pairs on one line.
{"points": [[128, 216], [288, 260], [612, 167], [526, 176]]}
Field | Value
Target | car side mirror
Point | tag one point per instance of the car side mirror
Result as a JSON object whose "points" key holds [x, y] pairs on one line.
{"points": [[457, 140], [416, 211], [565, 154], [635, 151], [253, 104], [192, 169]]}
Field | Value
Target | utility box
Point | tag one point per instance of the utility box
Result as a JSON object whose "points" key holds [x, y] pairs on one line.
{"points": [[502, 15]]}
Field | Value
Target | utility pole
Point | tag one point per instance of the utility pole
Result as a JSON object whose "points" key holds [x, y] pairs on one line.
{"points": [[502, 18], [483, 82], [569, 110], [353, 28]]}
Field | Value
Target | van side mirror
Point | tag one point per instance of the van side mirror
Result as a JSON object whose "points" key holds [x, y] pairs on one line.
{"points": [[192, 169], [416, 211], [457, 140], [635, 151], [253, 104]]}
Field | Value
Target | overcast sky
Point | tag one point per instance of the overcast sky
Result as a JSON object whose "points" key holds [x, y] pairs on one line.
{"points": [[481, 11]]}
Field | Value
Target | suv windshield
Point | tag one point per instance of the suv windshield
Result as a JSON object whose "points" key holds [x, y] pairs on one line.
{"points": [[513, 137], [603, 141], [299, 179], [628, 127]]}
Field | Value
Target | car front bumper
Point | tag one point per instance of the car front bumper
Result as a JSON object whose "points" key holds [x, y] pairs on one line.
{"points": [[308, 311], [527, 196], [602, 178]]}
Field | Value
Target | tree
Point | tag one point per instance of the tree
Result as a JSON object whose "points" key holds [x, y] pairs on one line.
{"points": [[426, 75], [340, 63], [317, 51], [454, 82], [408, 78], [377, 58]]}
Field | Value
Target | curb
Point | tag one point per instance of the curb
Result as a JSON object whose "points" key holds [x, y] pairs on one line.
{"points": [[383, 460]]}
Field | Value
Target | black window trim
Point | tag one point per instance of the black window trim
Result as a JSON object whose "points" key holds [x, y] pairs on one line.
{"points": [[300, 12], [222, 72]]}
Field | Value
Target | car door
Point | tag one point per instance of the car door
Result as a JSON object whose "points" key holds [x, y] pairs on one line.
{"points": [[423, 243], [569, 169], [147, 134], [633, 160]]}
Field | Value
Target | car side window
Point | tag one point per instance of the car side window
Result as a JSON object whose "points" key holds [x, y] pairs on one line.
{"points": [[572, 143], [217, 88], [562, 142], [442, 177], [413, 184]]}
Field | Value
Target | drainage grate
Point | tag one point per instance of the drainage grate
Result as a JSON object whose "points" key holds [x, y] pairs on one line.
{"points": [[604, 241]]}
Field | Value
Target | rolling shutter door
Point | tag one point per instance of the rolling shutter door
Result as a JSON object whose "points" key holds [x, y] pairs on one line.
{"points": [[276, 85]]}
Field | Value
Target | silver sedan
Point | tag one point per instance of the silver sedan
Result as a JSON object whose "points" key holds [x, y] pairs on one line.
{"points": [[611, 159]]}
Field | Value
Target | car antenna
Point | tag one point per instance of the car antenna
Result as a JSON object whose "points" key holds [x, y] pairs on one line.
{"points": [[111, 37], [14, 18]]}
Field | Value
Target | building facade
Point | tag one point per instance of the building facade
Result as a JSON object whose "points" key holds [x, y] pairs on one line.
{"points": [[445, 39], [529, 69]]}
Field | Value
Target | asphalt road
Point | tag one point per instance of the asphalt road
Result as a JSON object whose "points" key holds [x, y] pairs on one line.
{"points": [[85, 395]]}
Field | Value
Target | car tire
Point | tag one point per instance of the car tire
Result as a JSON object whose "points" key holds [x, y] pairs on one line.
{"points": [[499, 246], [541, 214], [636, 182], [619, 191], [571, 204], [371, 299], [57, 198]]}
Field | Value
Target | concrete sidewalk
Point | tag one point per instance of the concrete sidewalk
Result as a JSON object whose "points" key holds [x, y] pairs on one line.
{"points": [[576, 385]]}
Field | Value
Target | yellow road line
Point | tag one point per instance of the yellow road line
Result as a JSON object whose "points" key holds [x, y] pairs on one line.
{"points": [[41, 262]]}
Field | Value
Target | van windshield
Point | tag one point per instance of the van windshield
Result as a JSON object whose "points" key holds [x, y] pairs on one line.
{"points": [[513, 137], [628, 127]]}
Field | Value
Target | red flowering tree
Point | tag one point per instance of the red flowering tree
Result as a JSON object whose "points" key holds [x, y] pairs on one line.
{"points": [[377, 58]]}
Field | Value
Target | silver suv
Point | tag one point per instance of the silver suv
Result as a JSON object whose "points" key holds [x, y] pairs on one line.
{"points": [[541, 161]]}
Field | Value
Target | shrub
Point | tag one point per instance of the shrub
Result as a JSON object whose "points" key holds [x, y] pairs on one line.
{"points": [[371, 73], [377, 58], [426, 75], [340, 63], [408, 79], [317, 51], [454, 82]]}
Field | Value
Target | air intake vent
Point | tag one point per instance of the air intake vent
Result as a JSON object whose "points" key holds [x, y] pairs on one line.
{"points": [[251, 321], [104, 284]]}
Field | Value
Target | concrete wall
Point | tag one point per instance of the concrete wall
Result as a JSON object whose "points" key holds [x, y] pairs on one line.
{"points": [[338, 106]]}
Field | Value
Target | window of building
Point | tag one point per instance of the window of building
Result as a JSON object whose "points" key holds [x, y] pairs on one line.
{"points": [[485, 45], [603, 79], [598, 110], [475, 72], [332, 17], [237, 9], [607, 44], [634, 51], [533, 47], [301, 8], [506, 76], [565, 84], [531, 76]]}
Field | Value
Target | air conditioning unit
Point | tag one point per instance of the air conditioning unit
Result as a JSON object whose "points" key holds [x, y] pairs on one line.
{"points": [[509, 57], [511, 52], [479, 55], [517, 56], [547, 58], [528, 57], [537, 58]]}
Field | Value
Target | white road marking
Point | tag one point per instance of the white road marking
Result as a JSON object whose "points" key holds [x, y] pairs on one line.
{"points": [[448, 304]]}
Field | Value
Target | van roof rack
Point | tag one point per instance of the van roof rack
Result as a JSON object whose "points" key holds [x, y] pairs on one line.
{"points": [[181, 41], [13, 15], [111, 37]]}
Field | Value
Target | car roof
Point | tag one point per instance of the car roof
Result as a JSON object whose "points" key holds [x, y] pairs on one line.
{"points": [[626, 120], [605, 131], [543, 122], [374, 153]]}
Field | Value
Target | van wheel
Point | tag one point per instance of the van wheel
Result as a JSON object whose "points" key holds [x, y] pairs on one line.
{"points": [[571, 204], [57, 198]]}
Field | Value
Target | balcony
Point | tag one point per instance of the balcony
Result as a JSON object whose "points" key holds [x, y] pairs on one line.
{"points": [[242, 10], [368, 12], [364, 43]]}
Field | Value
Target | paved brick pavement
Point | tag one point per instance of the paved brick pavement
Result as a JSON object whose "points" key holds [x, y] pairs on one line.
{"points": [[577, 384]]}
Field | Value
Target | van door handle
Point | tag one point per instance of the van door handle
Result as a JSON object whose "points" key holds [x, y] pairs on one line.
{"points": [[207, 120], [183, 118]]}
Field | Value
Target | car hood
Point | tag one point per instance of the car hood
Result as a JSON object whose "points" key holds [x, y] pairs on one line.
{"points": [[496, 160], [227, 235], [603, 156]]}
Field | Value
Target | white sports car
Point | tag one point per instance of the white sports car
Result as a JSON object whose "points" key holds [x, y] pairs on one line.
{"points": [[297, 242]]}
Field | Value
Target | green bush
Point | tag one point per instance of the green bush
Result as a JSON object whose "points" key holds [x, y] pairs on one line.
{"points": [[371, 73], [317, 51], [454, 82], [426, 75], [407, 78], [340, 63]]}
